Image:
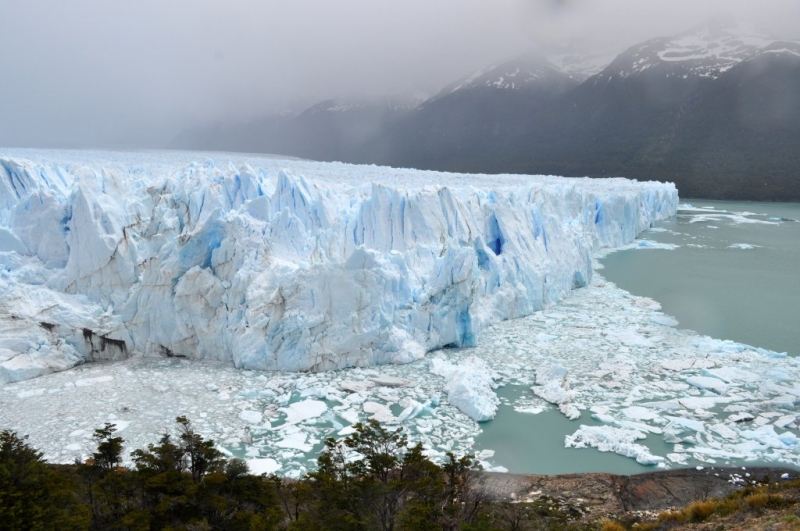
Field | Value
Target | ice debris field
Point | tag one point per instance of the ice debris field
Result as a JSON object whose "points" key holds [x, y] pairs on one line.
{"points": [[118, 266]]}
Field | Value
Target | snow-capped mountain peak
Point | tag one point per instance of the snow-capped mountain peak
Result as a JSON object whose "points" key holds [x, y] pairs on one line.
{"points": [[519, 74], [705, 51]]}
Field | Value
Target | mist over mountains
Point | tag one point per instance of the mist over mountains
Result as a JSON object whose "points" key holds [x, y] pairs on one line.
{"points": [[715, 109]]}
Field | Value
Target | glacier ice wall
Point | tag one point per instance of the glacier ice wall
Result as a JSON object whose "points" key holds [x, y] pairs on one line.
{"points": [[282, 264]]}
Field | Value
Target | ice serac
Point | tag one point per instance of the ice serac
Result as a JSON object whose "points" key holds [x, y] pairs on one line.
{"points": [[288, 265]]}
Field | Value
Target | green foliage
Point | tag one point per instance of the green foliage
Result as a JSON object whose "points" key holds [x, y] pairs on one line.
{"points": [[372, 480], [391, 486], [109, 448], [201, 454], [34, 495]]}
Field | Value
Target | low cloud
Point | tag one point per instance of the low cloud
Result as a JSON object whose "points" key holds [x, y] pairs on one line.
{"points": [[98, 73]]}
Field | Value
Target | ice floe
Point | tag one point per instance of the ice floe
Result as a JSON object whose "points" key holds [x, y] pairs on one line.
{"points": [[469, 386], [617, 440]]}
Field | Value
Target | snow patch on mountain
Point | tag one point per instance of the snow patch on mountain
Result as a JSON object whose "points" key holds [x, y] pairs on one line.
{"points": [[706, 51], [523, 73]]}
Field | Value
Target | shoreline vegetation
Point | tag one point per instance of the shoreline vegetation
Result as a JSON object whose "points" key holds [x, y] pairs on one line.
{"points": [[370, 480]]}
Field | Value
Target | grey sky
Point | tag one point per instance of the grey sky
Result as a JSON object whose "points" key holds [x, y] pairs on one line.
{"points": [[136, 72]]}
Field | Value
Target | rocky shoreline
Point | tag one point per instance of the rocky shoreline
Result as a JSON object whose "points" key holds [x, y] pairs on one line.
{"points": [[597, 495]]}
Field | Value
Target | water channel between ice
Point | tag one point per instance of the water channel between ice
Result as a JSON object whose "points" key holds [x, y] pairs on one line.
{"points": [[645, 388]]}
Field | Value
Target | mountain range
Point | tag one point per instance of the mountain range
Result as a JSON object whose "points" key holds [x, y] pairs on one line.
{"points": [[716, 110]]}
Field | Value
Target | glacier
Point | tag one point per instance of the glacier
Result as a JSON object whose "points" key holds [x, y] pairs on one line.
{"points": [[278, 264]]}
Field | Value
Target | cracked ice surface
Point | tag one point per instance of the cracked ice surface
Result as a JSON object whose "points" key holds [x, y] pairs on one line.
{"points": [[635, 389], [284, 264]]}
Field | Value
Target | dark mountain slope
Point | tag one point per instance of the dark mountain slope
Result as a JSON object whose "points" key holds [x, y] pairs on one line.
{"points": [[725, 126], [741, 138], [470, 122]]}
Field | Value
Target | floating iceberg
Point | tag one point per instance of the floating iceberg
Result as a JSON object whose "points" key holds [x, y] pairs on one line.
{"points": [[617, 440], [281, 264], [553, 386], [469, 386]]}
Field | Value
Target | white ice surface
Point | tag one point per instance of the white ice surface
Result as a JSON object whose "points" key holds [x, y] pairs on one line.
{"points": [[617, 440], [264, 465], [284, 264], [469, 386]]}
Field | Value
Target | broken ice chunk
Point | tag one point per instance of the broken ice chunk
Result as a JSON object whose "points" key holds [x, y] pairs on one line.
{"points": [[767, 436], [379, 412], [253, 417], [687, 364], [616, 440], [680, 459], [294, 438], [784, 421], [469, 386], [664, 320], [354, 386], [265, 465], [412, 409], [640, 413], [694, 425], [305, 410], [91, 381], [731, 374], [723, 431], [630, 337], [553, 386], [708, 383], [390, 381]]}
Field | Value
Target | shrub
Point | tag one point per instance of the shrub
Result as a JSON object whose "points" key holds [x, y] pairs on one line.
{"points": [[610, 525], [671, 516], [726, 507], [762, 500], [700, 511]]}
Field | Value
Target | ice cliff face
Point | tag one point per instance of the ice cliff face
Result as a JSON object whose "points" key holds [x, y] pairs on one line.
{"points": [[287, 265]]}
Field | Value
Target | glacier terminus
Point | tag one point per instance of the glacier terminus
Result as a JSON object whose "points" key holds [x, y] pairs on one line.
{"points": [[288, 265]]}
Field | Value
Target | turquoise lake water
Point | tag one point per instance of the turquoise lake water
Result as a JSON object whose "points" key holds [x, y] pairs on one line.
{"points": [[750, 296], [733, 275]]}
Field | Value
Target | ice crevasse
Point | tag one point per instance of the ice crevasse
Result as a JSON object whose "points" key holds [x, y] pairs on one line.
{"points": [[285, 265]]}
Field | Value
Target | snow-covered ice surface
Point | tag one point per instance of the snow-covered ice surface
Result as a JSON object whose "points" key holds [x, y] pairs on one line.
{"points": [[284, 264]]}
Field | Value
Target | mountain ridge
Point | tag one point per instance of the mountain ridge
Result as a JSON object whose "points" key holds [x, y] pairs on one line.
{"points": [[715, 109]]}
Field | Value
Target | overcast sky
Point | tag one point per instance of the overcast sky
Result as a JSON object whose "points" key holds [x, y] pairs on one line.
{"points": [[99, 73]]}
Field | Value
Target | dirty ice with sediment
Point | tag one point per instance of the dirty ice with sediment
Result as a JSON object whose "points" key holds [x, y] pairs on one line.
{"points": [[277, 302]]}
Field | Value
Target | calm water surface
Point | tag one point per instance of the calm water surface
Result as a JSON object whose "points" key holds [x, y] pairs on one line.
{"points": [[751, 296], [534, 444]]}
